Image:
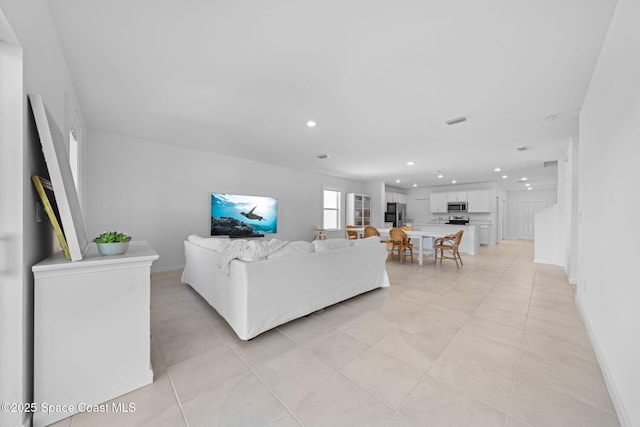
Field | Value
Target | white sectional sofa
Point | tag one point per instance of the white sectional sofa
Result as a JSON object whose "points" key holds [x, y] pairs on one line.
{"points": [[258, 295]]}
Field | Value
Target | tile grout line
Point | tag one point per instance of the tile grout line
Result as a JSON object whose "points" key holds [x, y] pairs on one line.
{"points": [[265, 384], [173, 387], [426, 374], [519, 350], [338, 372], [515, 375]]}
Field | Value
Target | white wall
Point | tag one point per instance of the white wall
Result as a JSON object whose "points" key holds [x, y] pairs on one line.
{"points": [[161, 193], [376, 189], [44, 72], [514, 198], [555, 228], [608, 289]]}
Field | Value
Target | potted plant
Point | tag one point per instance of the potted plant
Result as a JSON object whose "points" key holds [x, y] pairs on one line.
{"points": [[112, 243]]}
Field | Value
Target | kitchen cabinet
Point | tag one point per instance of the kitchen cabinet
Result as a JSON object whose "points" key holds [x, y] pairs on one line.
{"points": [[485, 234], [358, 209], [457, 196], [438, 202], [479, 201], [91, 329]]}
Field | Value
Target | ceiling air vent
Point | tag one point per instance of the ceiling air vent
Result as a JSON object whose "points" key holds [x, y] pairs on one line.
{"points": [[456, 120], [521, 148], [550, 163], [322, 156]]}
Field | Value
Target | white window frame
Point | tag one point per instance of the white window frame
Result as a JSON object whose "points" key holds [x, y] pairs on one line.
{"points": [[75, 144], [74, 158], [338, 209]]}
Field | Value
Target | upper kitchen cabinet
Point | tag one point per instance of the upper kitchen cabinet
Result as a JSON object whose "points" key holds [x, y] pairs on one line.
{"points": [[457, 196], [438, 202], [479, 201]]}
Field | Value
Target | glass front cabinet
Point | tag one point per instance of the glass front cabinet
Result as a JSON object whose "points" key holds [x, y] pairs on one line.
{"points": [[358, 209]]}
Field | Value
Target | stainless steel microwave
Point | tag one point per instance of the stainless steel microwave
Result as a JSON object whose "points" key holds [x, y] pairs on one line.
{"points": [[457, 207]]}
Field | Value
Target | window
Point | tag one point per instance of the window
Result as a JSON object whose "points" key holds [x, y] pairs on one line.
{"points": [[73, 157], [75, 145], [331, 208]]}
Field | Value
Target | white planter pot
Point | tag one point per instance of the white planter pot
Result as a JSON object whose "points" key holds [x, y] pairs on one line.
{"points": [[118, 248]]}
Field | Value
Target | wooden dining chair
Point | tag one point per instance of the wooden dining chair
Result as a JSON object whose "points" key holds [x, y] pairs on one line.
{"points": [[370, 231], [352, 235], [407, 228], [400, 244], [447, 247]]}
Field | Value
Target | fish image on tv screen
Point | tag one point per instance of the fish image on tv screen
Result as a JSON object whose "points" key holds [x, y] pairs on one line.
{"points": [[238, 215]]}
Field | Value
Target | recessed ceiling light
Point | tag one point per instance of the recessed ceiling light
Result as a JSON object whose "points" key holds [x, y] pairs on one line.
{"points": [[397, 181], [530, 188], [504, 177], [415, 185], [527, 185], [523, 178], [454, 181], [497, 170], [311, 124], [440, 176], [411, 163]]}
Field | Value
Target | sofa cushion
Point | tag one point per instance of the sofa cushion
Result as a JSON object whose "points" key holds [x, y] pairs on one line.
{"points": [[328, 244], [367, 241], [218, 244], [293, 248]]}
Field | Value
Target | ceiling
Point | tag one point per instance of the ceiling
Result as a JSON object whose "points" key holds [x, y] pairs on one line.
{"points": [[380, 78]]}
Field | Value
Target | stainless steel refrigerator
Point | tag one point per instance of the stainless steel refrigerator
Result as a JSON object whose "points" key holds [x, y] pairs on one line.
{"points": [[396, 213]]}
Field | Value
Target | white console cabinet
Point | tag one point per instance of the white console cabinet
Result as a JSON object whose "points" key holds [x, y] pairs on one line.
{"points": [[91, 329]]}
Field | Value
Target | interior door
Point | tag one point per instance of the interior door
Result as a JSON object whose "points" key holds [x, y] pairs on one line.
{"points": [[526, 218], [422, 211]]}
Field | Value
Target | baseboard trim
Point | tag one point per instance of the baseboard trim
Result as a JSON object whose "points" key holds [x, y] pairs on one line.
{"points": [[546, 261], [166, 268], [608, 379]]}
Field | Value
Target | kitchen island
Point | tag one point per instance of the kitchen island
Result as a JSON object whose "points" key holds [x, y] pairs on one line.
{"points": [[470, 243]]}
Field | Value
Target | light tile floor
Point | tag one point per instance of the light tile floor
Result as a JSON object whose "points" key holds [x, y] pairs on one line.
{"points": [[498, 342]]}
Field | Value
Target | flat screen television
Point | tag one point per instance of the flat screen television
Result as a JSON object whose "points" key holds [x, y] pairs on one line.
{"points": [[236, 215]]}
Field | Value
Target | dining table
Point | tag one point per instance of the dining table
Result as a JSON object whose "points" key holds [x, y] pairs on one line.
{"points": [[421, 236], [425, 239]]}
